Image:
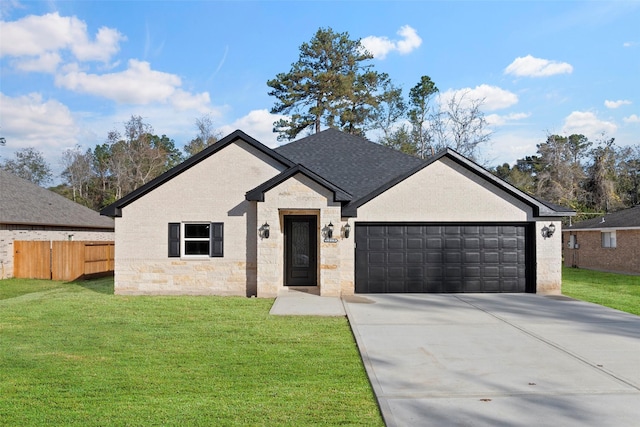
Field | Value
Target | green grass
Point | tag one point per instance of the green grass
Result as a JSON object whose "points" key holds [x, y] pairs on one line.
{"points": [[75, 354], [619, 291]]}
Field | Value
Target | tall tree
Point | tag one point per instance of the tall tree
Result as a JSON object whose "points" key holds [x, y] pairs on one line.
{"points": [[401, 139], [391, 108], [561, 171], [628, 175], [331, 84], [29, 164], [460, 124], [77, 171], [206, 136], [138, 156], [600, 182], [420, 97]]}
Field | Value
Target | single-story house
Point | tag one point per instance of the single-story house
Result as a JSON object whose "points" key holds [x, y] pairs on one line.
{"points": [[335, 214], [30, 212], [609, 242]]}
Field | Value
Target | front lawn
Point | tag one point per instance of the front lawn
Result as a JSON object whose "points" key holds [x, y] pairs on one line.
{"points": [[618, 291], [75, 354]]}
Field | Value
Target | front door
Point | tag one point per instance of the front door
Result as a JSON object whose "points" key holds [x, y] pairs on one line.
{"points": [[301, 249]]}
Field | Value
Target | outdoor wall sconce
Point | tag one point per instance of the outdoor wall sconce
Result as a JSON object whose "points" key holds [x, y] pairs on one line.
{"points": [[264, 231], [347, 230], [330, 230], [548, 230]]}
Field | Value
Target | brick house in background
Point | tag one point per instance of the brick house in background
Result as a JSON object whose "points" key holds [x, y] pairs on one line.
{"points": [[608, 243], [30, 212]]}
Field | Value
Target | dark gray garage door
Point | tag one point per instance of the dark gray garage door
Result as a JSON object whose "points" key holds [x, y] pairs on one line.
{"points": [[392, 257]]}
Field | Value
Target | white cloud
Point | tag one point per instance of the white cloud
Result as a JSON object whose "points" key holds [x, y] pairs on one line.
{"points": [[501, 120], [616, 104], [587, 124], [380, 47], [6, 6], [495, 98], [630, 44], [31, 121], [138, 84], [509, 147], [36, 36], [528, 66], [45, 63], [257, 124], [634, 118]]}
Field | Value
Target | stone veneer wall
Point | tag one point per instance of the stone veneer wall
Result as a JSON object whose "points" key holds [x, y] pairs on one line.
{"points": [[624, 258], [300, 196], [548, 259], [211, 191], [10, 233]]}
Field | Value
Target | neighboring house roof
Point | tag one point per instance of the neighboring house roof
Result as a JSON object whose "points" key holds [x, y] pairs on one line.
{"points": [[351, 162], [257, 194], [25, 203], [624, 219], [114, 209]]}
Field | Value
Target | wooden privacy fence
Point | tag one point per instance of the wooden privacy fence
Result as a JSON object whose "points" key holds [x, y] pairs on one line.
{"points": [[61, 260]]}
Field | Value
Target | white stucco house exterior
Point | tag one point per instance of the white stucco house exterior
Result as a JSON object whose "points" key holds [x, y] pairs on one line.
{"points": [[333, 214]]}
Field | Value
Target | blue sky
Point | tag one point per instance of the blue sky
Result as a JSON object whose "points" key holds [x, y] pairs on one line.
{"points": [[73, 70]]}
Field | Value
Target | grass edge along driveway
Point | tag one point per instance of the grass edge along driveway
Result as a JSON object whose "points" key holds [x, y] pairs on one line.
{"points": [[75, 354], [619, 291]]}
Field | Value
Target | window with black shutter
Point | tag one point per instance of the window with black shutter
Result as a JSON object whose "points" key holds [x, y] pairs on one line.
{"points": [[174, 239], [217, 235], [196, 239]]}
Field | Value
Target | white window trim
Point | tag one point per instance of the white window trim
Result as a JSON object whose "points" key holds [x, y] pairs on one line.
{"points": [[184, 239], [610, 239]]}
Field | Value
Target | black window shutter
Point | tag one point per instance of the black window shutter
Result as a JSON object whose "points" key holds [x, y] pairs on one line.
{"points": [[217, 239], [174, 239]]}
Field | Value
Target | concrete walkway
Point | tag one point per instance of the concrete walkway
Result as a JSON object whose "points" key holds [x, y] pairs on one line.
{"points": [[498, 360], [292, 302]]}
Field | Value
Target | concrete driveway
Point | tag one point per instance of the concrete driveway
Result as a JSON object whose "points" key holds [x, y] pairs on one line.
{"points": [[498, 360]]}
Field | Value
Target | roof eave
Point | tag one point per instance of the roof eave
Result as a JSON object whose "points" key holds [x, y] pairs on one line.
{"points": [[115, 209], [538, 207], [257, 194]]}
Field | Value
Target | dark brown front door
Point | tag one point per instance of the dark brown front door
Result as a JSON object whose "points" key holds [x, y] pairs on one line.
{"points": [[301, 243]]}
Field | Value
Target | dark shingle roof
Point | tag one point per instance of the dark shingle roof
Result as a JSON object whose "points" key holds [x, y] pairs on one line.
{"points": [[627, 218], [22, 202], [354, 164]]}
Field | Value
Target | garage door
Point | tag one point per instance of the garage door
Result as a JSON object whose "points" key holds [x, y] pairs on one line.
{"points": [[392, 257]]}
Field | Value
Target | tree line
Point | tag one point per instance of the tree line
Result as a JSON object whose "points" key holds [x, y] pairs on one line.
{"points": [[333, 84], [591, 177], [128, 159]]}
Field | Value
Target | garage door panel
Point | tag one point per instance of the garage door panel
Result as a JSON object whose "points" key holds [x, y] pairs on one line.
{"points": [[415, 257], [394, 243], [471, 242], [395, 257], [440, 258], [434, 243], [472, 257], [415, 243], [415, 286], [377, 258], [415, 273], [473, 285], [375, 244]]}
